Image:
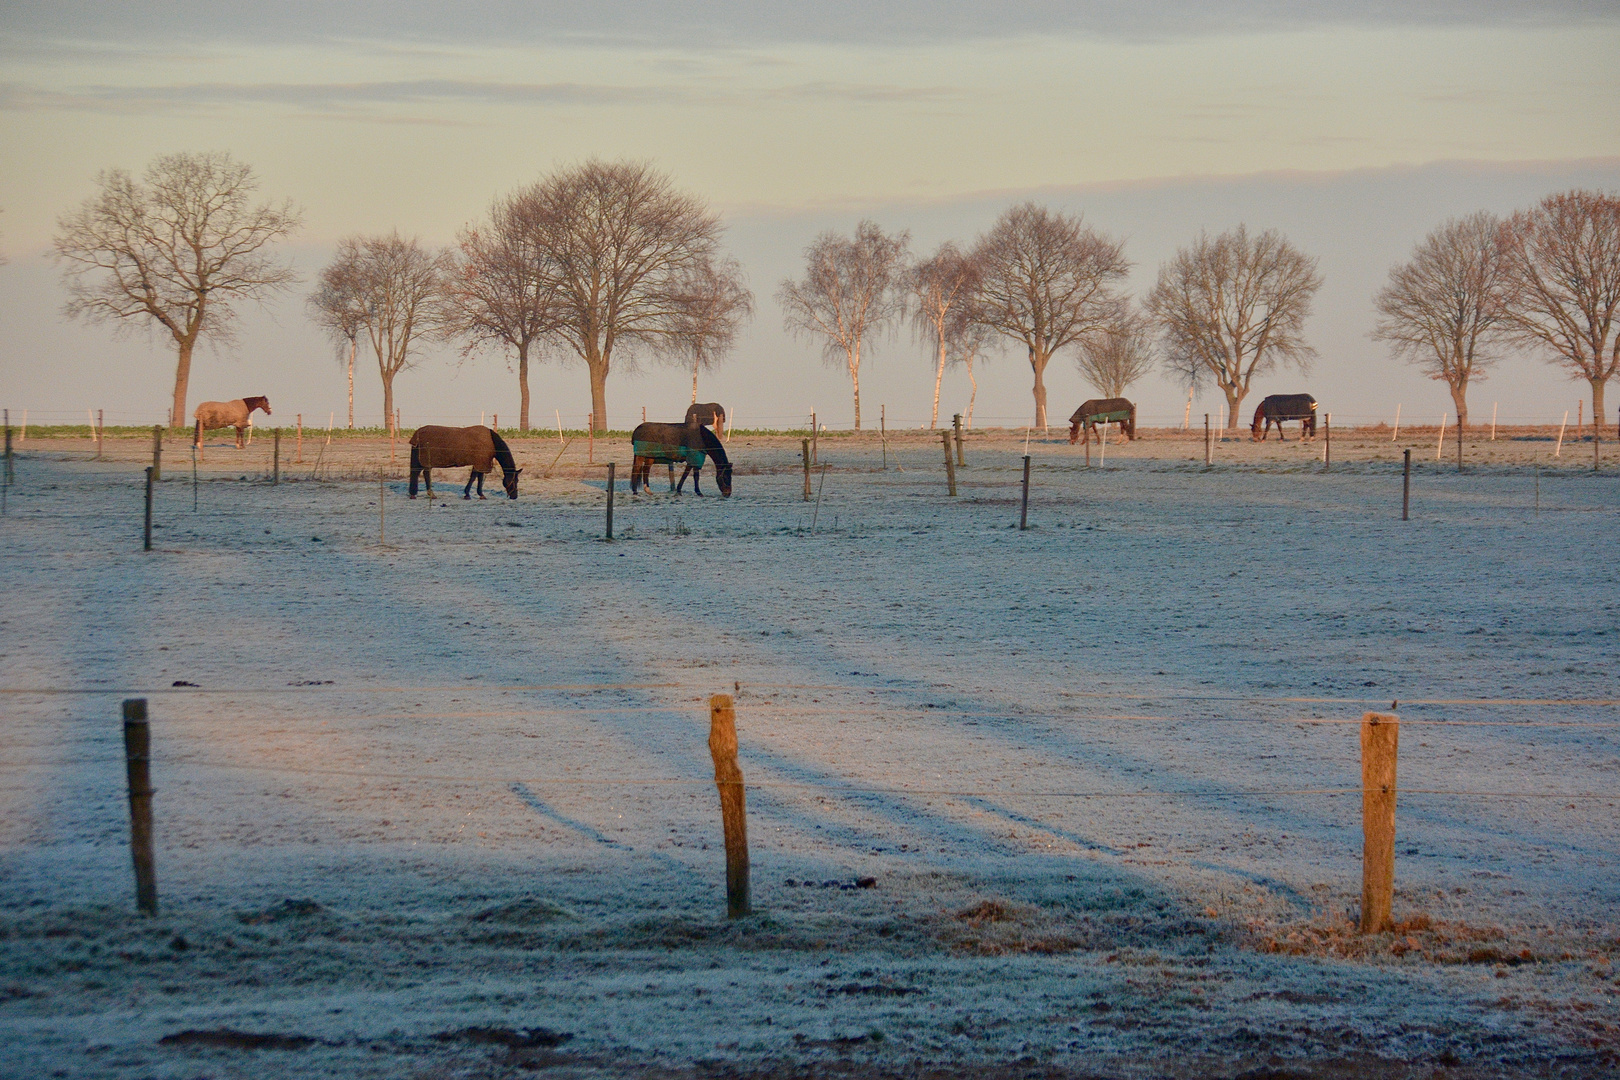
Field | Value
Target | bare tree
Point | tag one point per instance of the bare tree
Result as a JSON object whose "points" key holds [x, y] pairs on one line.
{"points": [[1231, 307], [1119, 354], [1564, 284], [1046, 281], [394, 290], [713, 305], [621, 246], [504, 290], [971, 340], [940, 287], [1443, 309], [851, 291], [329, 306], [177, 248]]}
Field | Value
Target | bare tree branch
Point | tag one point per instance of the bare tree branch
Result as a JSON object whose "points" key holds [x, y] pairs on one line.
{"points": [[851, 291], [1444, 309], [177, 248], [712, 304], [1564, 285], [1232, 307], [1046, 280]]}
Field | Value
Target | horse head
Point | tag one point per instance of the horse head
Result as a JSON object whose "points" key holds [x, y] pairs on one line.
{"points": [[509, 482], [257, 403], [1074, 432], [1259, 418], [722, 476]]}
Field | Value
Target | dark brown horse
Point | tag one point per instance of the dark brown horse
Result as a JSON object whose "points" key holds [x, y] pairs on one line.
{"points": [[1276, 408], [708, 413], [688, 444], [434, 447], [1102, 411], [236, 414]]}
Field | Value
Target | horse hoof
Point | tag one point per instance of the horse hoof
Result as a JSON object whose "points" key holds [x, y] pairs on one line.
{"points": [[480, 494], [413, 496]]}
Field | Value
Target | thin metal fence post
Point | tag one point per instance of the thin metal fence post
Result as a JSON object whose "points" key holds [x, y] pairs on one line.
{"points": [[138, 766]]}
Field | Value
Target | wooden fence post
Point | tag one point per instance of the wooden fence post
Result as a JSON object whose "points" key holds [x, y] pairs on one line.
{"points": [[590, 438], [883, 433], [805, 454], [612, 466], [950, 462], [275, 458], [1461, 432], [101, 430], [728, 778], [157, 453], [137, 761], [815, 439], [1023, 508], [1208, 449], [1406, 485], [149, 472], [1380, 740], [956, 422], [1327, 442], [298, 447]]}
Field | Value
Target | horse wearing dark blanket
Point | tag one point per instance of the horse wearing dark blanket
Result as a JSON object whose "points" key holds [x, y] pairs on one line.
{"points": [[688, 444], [1276, 408], [435, 447], [1103, 411]]}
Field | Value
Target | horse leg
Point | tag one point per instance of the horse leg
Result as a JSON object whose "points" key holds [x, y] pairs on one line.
{"points": [[416, 469], [239, 432], [695, 474], [480, 484], [671, 465], [466, 492]]}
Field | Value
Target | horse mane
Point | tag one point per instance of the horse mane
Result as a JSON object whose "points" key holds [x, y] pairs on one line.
{"points": [[256, 403], [503, 453], [711, 446]]}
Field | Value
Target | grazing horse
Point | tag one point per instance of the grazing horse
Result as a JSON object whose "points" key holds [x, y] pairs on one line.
{"points": [[689, 444], [1276, 408], [1102, 411], [435, 447], [237, 414], [708, 413]]}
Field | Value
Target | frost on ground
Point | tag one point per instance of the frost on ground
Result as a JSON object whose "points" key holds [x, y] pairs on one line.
{"points": [[1080, 800]]}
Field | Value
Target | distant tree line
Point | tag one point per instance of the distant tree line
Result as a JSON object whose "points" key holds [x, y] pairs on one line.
{"points": [[609, 264]]}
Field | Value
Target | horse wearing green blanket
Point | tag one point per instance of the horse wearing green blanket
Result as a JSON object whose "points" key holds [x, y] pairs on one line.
{"points": [[671, 444]]}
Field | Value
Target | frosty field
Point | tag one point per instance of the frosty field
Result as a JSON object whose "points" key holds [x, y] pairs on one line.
{"points": [[445, 807]]}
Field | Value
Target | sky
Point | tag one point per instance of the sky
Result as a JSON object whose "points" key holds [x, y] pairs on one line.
{"points": [[1354, 128]]}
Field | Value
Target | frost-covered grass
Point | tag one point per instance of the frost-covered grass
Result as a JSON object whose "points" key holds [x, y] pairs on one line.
{"points": [[431, 807]]}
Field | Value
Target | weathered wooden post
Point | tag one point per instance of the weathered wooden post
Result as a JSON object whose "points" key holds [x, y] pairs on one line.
{"points": [[956, 422], [157, 453], [1597, 437], [590, 439], [1461, 432], [1380, 740], [382, 509], [883, 433], [815, 439], [804, 453], [950, 462], [298, 447], [1327, 442], [137, 761], [101, 430], [1406, 485], [1208, 448], [275, 458], [193, 478], [148, 534], [612, 466], [728, 778], [1023, 507]]}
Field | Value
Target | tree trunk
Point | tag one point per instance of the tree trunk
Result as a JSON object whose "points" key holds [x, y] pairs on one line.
{"points": [[855, 381], [599, 374], [972, 396], [1038, 363], [694, 381], [1459, 397], [182, 379], [1597, 407], [1234, 405], [388, 400], [939, 377], [523, 387]]}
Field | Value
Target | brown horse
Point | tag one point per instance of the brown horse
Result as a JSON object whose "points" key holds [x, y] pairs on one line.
{"points": [[1275, 408], [707, 413], [237, 414], [688, 444], [1102, 411], [436, 447]]}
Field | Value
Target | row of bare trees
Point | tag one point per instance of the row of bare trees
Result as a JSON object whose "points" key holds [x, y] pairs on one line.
{"points": [[1546, 278], [604, 261], [607, 263], [1228, 308]]}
